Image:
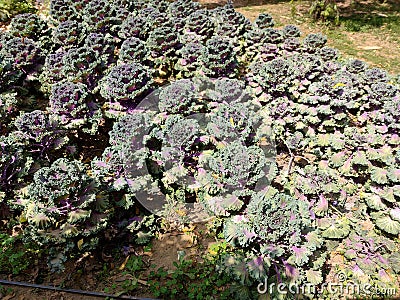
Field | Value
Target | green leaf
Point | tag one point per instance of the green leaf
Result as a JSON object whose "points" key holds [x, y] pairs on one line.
{"points": [[300, 125], [143, 237], [40, 220], [329, 123], [384, 276], [340, 116], [374, 201], [334, 232], [338, 159], [386, 154], [360, 158], [379, 175], [386, 194], [373, 154], [322, 206], [299, 257], [314, 240], [396, 190], [337, 229], [331, 187], [323, 140], [394, 261], [394, 175], [127, 200], [102, 201], [324, 109], [394, 140], [256, 267], [346, 168], [231, 231], [221, 205], [324, 223], [319, 263], [331, 245], [388, 225], [78, 215], [314, 277], [337, 141], [395, 214], [69, 230], [350, 254], [313, 119]]}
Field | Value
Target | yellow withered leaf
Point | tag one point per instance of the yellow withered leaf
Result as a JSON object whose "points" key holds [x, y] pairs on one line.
{"points": [[339, 84], [79, 243]]}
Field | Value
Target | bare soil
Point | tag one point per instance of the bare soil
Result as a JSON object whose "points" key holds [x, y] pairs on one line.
{"points": [[86, 272]]}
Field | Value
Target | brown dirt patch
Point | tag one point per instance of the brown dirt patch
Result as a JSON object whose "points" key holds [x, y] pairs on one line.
{"points": [[87, 272], [165, 248]]}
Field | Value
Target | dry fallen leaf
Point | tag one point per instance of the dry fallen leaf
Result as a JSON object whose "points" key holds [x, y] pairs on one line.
{"points": [[8, 297], [143, 282], [124, 263], [367, 225]]}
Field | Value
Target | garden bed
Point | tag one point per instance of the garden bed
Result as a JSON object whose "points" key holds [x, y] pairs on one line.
{"points": [[274, 156]]}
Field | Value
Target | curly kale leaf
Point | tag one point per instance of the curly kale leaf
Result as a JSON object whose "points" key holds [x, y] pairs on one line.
{"points": [[219, 58], [63, 10], [132, 50], [14, 165], [291, 31], [125, 82], [162, 45], [39, 133], [29, 25], [69, 34], [231, 23], [24, 53], [71, 103], [82, 65], [189, 63], [314, 41], [52, 71], [103, 45], [200, 23], [134, 26], [263, 21], [178, 97]]}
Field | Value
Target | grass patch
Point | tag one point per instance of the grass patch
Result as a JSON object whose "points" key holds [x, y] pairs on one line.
{"points": [[371, 22]]}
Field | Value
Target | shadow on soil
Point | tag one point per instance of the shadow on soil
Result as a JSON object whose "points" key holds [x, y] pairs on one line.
{"points": [[359, 14], [362, 15], [241, 3]]}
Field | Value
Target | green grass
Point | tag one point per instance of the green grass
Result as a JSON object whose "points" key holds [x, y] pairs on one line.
{"points": [[383, 28], [368, 23], [340, 40], [10, 8], [387, 24], [12, 260]]}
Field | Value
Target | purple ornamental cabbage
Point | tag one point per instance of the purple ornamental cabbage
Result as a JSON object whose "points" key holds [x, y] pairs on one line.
{"points": [[126, 82]]}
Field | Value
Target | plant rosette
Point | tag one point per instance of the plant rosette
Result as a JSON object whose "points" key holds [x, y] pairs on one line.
{"points": [[194, 149]]}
